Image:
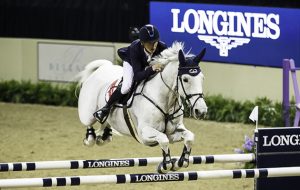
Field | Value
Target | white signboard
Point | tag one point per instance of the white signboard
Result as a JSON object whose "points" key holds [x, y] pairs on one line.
{"points": [[62, 62]]}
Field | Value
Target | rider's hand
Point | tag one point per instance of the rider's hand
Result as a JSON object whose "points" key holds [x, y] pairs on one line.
{"points": [[157, 67]]}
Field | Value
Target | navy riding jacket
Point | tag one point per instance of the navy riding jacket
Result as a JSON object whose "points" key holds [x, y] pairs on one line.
{"points": [[137, 58]]}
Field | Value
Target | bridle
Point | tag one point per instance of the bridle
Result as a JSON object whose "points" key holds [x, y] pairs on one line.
{"points": [[175, 91], [188, 96]]}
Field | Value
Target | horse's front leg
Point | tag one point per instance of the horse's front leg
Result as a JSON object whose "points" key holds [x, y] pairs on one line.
{"points": [[150, 137], [181, 133]]}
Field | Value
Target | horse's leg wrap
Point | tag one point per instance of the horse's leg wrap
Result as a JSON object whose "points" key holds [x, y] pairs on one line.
{"points": [[167, 163], [183, 161], [105, 137], [90, 136], [106, 134], [184, 158]]}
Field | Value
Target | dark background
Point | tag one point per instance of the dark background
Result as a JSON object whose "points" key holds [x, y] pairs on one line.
{"points": [[91, 20]]}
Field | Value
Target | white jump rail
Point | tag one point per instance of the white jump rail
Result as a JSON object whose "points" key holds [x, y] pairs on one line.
{"points": [[150, 177], [123, 162]]}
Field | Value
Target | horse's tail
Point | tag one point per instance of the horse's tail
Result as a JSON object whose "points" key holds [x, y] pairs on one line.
{"points": [[82, 76], [89, 69]]}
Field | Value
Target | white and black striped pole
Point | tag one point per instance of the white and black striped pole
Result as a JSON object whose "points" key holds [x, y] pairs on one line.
{"points": [[150, 177], [114, 163]]}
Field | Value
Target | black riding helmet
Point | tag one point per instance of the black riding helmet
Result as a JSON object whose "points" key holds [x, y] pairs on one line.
{"points": [[148, 33]]}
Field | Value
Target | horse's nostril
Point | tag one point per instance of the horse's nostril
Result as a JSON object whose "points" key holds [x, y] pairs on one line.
{"points": [[199, 113]]}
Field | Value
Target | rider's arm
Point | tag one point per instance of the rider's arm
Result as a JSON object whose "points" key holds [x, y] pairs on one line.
{"points": [[137, 65]]}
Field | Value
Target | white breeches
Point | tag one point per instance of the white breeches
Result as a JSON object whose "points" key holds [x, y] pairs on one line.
{"points": [[127, 77]]}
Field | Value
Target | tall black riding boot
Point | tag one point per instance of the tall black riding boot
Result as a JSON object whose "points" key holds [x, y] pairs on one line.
{"points": [[102, 114]]}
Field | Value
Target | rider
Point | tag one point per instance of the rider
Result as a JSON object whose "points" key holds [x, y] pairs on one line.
{"points": [[136, 58]]}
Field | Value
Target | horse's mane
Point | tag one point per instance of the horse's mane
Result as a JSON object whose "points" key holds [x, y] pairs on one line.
{"points": [[170, 54]]}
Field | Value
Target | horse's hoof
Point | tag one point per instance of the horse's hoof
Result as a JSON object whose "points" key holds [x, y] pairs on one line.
{"points": [[89, 142], [109, 139], [160, 169], [185, 163], [180, 163], [175, 165], [164, 167], [101, 141]]}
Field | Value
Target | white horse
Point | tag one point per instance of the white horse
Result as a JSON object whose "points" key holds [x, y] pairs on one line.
{"points": [[156, 111]]}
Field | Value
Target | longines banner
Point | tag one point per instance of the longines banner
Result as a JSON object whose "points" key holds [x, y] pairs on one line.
{"points": [[232, 34]]}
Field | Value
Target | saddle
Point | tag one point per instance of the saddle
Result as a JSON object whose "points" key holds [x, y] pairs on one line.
{"points": [[127, 99], [125, 103]]}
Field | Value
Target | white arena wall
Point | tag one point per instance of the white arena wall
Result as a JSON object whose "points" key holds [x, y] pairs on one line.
{"points": [[25, 59]]}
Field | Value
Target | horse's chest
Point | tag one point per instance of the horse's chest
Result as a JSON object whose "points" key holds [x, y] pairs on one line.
{"points": [[168, 128], [153, 117]]}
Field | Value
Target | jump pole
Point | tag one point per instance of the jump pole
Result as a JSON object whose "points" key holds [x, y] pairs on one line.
{"points": [[122, 162], [150, 177], [277, 161]]}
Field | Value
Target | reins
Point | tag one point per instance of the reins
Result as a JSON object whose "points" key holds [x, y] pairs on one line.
{"points": [[168, 116], [171, 116]]}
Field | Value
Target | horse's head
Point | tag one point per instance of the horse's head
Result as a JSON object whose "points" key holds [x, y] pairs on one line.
{"points": [[190, 79]]}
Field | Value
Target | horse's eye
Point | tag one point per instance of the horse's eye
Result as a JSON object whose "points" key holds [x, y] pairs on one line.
{"points": [[185, 80]]}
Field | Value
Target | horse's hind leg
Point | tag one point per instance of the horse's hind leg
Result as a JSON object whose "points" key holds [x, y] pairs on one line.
{"points": [[87, 104], [88, 121], [101, 136], [90, 136], [104, 134], [151, 136]]}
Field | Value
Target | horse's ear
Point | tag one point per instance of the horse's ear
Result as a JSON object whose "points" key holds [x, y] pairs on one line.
{"points": [[199, 57], [181, 57]]}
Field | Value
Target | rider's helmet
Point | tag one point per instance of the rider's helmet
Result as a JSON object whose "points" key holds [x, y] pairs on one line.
{"points": [[149, 33]]}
